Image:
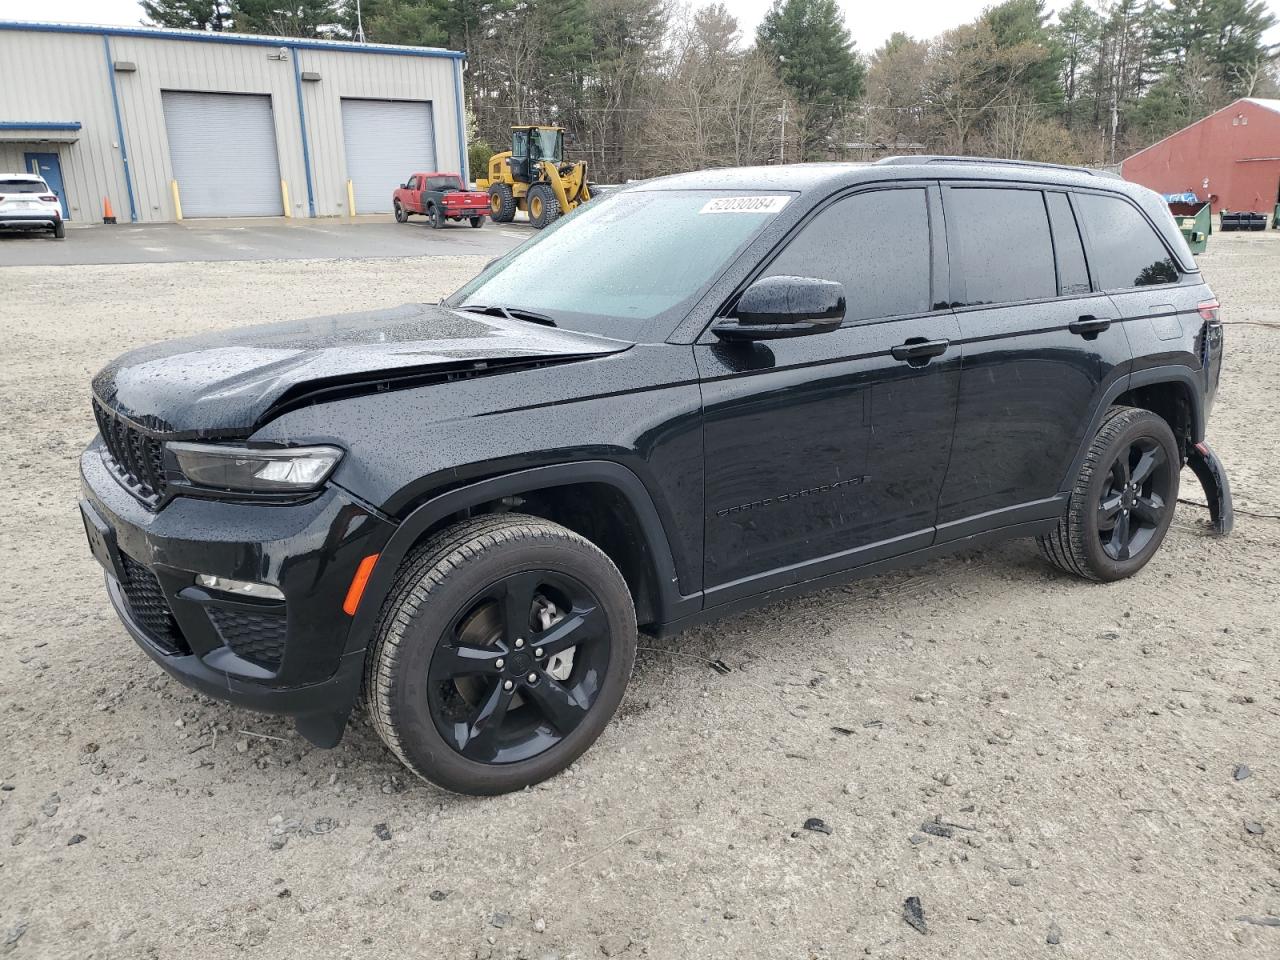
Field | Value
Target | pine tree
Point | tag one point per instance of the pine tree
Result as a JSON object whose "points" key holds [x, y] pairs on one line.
{"points": [[212, 15], [302, 18], [815, 57]]}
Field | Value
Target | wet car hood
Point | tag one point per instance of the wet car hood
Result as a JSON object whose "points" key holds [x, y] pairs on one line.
{"points": [[231, 381]]}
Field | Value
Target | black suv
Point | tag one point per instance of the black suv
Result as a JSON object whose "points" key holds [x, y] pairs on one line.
{"points": [[697, 394]]}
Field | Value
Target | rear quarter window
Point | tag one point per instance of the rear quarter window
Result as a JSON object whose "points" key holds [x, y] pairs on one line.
{"points": [[1124, 249], [1005, 252]]}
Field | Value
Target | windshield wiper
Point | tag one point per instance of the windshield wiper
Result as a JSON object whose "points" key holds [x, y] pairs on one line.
{"points": [[511, 313]]}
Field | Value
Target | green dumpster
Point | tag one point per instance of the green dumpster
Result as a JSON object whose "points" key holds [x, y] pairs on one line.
{"points": [[1195, 220]]}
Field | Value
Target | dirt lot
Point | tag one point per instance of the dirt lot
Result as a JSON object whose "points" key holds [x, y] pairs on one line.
{"points": [[1084, 740]]}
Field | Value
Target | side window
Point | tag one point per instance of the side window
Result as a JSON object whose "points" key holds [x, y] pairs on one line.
{"points": [[413, 183], [1005, 252], [1073, 274], [520, 143], [876, 244], [1124, 249]]}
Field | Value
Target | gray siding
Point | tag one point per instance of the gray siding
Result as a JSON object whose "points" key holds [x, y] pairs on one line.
{"points": [[66, 76]]}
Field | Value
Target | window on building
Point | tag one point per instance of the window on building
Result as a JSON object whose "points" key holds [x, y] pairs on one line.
{"points": [[876, 244]]}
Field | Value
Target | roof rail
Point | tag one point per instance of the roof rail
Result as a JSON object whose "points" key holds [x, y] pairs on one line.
{"points": [[997, 161]]}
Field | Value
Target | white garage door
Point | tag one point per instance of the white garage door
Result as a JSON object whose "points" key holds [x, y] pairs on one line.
{"points": [[386, 141], [223, 148]]}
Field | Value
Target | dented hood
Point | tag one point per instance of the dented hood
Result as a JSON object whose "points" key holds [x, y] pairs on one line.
{"points": [[230, 382]]}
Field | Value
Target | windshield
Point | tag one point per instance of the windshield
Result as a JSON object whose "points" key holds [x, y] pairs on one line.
{"points": [[23, 186], [626, 264], [545, 145]]}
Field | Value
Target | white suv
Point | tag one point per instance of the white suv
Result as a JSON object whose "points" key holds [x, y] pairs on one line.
{"points": [[27, 203]]}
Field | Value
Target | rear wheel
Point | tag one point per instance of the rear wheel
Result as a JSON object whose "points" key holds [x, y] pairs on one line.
{"points": [[59, 230], [477, 222], [501, 654], [544, 208], [502, 203], [1123, 500], [402, 215], [437, 217]]}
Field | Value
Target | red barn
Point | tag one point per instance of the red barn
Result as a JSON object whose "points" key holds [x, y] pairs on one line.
{"points": [[1232, 157]]}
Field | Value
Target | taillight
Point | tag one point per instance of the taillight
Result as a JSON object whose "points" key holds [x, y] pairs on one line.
{"points": [[1208, 310]]}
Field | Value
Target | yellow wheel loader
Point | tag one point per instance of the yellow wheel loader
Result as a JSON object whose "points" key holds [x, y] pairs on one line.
{"points": [[533, 176]]}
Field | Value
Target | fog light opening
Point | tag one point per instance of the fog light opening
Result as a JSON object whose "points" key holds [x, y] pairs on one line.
{"points": [[241, 588]]}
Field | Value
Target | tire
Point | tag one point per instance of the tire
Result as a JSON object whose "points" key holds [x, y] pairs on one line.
{"points": [[436, 216], [544, 208], [1122, 502], [430, 711], [502, 203], [59, 230], [477, 222], [402, 215]]}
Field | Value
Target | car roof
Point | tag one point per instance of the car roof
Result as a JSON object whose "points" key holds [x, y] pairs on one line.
{"points": [[34, 178], [827, 177]]}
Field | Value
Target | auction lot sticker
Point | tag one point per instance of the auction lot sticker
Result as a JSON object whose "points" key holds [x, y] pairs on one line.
{"points": [[758, 204]]}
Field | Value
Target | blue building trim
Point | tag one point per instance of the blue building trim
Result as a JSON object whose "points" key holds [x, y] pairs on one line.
{"points": [[40, 125], [124, 148], [461, 109], [199, 36], [306, 149]]}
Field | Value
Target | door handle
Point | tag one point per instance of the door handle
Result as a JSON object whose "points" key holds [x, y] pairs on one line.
{"points": [[1089, 326], [918, 351]]}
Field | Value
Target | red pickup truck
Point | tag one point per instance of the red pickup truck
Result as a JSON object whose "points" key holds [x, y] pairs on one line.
{"points": [[440, 197]]}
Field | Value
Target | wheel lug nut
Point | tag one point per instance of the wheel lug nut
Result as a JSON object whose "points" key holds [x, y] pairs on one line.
{"points": [[537, 651], [508, 685], [533, 677], [500, 663], [519, 643]]}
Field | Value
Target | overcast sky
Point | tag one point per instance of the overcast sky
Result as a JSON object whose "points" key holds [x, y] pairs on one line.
{"points": [[870, 22]]}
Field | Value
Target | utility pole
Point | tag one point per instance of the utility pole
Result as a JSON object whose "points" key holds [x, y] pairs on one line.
{"points": [[782, 138], [359, 24]]}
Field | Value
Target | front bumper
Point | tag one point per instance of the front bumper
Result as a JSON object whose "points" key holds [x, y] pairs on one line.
{"points": [[297, 657]]}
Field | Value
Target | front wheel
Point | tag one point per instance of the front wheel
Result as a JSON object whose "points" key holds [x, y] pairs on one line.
{"points": [[1123, 500], [402, 215], [544, 208], [501, 653]]}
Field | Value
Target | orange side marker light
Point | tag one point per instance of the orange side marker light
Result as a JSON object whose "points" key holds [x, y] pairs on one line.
{"points": [[358, 583]]}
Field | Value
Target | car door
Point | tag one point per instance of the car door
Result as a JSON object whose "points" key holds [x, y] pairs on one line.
{"points": [[827, 451], [413, 194], [1040, 349]]}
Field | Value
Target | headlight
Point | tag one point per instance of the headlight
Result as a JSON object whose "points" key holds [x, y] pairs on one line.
{"points": [[288, 469]]}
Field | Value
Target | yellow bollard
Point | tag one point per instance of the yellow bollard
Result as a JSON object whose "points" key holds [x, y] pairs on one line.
{"points": [[351, 199], [284, 195], [177, 200]]}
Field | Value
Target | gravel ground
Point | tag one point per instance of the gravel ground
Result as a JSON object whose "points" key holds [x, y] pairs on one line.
{"points": [[1053, 768]]}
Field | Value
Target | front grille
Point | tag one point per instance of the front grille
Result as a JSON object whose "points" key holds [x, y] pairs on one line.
{"points": [[138, 459], [149, 607], [255, 637]]}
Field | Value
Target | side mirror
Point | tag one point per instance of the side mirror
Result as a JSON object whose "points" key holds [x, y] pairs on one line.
{"points": [[778, 307], [404, 186]]}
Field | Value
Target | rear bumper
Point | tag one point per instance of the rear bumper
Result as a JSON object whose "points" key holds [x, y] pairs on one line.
{"points": [[29, 221]]}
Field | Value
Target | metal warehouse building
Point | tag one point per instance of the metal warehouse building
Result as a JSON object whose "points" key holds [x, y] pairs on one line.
{"points": [[173, 123]]}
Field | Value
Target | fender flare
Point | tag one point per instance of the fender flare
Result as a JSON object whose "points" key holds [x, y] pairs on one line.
{"points": [[1171, 373], [670, 604]]}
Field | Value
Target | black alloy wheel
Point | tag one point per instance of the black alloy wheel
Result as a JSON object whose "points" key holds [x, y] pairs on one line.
{"points": [[1134, 498], [519, 668]]}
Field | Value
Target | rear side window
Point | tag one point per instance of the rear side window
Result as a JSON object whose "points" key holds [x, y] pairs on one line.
{"points": [[1124, 249], [1073, 275], [1005, 252], [876, 244]]}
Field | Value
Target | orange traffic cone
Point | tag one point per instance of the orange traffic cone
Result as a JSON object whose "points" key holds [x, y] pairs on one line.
{"points": [[108, 215]]}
